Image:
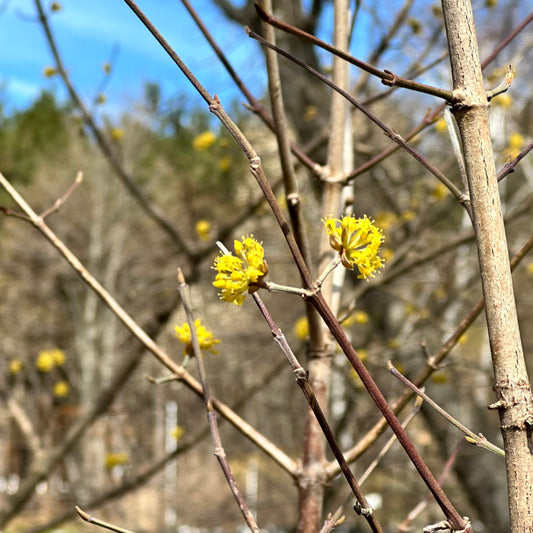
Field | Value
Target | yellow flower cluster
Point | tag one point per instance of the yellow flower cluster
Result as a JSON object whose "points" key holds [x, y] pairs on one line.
{"points": [[61, 389], [240, 274], [15, 366], [205, 338], [203, 141], [357, 240], [48, 359], [203, 229], [116, 459]]}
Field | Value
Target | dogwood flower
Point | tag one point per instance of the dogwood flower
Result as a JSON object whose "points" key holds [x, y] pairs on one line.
{"points": [[240, 274], [205, 338], [357, 240]]}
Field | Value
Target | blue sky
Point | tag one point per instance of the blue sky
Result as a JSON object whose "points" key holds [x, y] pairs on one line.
{"points": [[87, 33]]}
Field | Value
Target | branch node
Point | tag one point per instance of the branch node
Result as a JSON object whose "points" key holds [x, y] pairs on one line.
{"points": [[363, 511]]}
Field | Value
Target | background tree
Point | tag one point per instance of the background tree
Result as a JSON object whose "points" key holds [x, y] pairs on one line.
{"points": [[92, 442]]}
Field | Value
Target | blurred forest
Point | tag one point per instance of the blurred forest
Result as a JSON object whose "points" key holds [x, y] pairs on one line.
{"points": [[134, 447]]}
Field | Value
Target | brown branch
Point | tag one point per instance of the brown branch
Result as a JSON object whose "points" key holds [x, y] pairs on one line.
{"points": [[387, 77], [461, 197], [220, 453]]}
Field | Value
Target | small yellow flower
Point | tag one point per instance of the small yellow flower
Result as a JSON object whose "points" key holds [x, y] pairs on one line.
{"points": [[15, 366], [224, 163], [440, 191], [49, 72], [117, 133], [55, 6], [203, 229], [310, 113], [529, 268], [462, 340], [441, 125], [45, 361], [358, 317], [59, 357], [386, 219], [242, 273], [177, 432], [440, 377], [205, 338], [116, 459], [357, 240], [301, 328], [502, 100], [203, 141], [106, 67], [100, 99], [515, 143], [61, 389], [48, 359], [408, 215]]}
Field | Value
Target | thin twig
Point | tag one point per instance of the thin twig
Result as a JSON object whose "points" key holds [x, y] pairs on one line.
{"points": [[387, 77], [301, 379], [211, 414], [432, 365], [246, 429], [97, 522], [461, 197], [478, 440], [60, 201]]}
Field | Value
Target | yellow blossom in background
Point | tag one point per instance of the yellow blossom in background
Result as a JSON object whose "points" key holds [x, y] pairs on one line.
{"points": [[239, 274], [462, 340], [49, 72], [440, 191], [408, 215], [363, 354], [515, 143], [441, 126], [301, 328], [358, 317], [15, 366], [203, 229], [224, 163], [203, 141], [177, 432], [106, 67], [55, 6], [440, 377], [502, 100], [530, 268], [310, 112], [439, 293], [386, 219], [357, 240], [409, 309], [61, 389], [48, 359], [393, 343], [355, 379], [491, 3], [59, 357], [205, 338], [100, 99], [223, 141], [116, 459], [45, 361], [117, 133]]}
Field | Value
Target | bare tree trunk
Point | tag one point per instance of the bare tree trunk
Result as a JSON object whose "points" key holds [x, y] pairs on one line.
{"points": [[512, 387]]}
